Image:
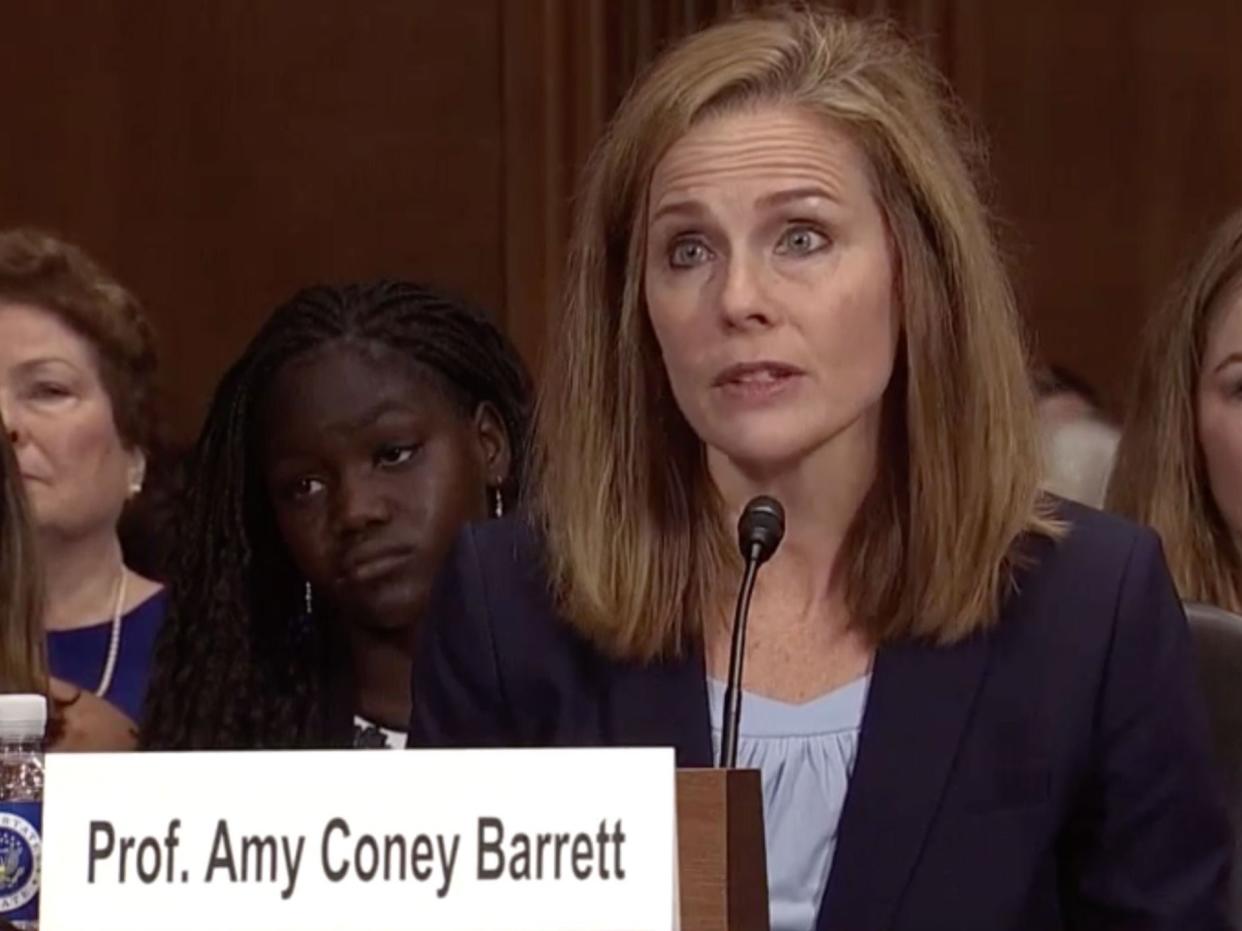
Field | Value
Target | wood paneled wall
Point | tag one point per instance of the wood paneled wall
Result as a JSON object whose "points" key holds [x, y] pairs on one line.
{"points": [[1116, 136], [217, 155]]}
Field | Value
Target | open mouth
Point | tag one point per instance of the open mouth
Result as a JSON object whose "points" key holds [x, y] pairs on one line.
{"points": [[756, 380]]}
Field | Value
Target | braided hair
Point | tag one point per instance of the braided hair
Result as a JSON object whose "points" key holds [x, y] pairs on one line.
{"points": [[238, 665]]}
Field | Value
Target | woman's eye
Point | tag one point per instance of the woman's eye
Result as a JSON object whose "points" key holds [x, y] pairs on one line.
{"points": [[305, 488], [48, 391], [394, 455], [801, 240], [688, 253]]}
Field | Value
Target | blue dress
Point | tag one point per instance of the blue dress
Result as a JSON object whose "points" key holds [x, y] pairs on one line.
{"points": [[805, 755], [78, 656]]}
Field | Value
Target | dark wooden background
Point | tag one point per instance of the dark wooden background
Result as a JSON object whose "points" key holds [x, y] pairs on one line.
{"points": [[219, 154]]}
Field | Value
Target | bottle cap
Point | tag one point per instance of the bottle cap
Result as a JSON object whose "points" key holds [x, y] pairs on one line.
{"points": [[23, 717]]}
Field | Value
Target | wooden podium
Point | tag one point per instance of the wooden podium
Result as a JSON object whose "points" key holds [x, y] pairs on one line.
{"points": [[723, 879]]}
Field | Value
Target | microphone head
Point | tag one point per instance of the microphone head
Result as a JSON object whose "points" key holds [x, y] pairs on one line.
{"points": [[760, 528]]}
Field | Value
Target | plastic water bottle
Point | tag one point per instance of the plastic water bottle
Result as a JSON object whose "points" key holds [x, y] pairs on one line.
{"points": [[23, 721]]}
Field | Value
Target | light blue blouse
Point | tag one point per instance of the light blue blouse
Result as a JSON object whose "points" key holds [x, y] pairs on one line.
{"points": [[805, 754]]}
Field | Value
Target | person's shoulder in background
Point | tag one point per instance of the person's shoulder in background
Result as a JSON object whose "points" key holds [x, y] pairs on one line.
{"points": [[1078, 458]]}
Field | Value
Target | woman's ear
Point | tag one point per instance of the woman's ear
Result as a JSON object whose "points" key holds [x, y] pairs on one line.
{"points": [[493, 439]]}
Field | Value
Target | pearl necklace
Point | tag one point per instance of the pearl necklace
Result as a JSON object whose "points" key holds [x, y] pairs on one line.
{"points": [[114, 639]]}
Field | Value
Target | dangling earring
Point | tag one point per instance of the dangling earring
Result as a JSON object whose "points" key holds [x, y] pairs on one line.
{"points": [[498, 502], [137, 478], [309, 600]]}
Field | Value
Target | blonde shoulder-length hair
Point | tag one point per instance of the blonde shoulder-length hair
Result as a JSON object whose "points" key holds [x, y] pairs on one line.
{"points": [[637, 545], [23, 664], [1160, 477]]}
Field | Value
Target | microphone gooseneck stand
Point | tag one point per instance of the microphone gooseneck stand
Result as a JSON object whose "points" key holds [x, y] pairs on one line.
{"points": [[759, 532]]}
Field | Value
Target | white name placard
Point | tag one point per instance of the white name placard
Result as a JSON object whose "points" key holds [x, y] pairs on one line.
{"points": [[506, 840]]}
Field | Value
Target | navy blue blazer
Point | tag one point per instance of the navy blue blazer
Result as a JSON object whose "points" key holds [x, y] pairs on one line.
{"points": [[1053, 773]]}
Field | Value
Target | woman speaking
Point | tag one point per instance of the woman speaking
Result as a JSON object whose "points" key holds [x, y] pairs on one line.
{"points": [[972, 705]]}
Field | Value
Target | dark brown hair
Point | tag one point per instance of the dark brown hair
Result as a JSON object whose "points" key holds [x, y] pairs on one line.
{"points": [[23, 663], [46, 272]]}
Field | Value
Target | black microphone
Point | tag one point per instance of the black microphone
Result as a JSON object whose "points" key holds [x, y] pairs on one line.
{"points": [[759, 533]]}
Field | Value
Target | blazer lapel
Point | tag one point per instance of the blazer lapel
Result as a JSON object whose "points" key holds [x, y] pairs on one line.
{"points": [[662, 705], [919, 703]]}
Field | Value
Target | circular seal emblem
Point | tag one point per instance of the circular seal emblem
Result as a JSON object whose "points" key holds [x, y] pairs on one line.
{"points": [[19, 861]]}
